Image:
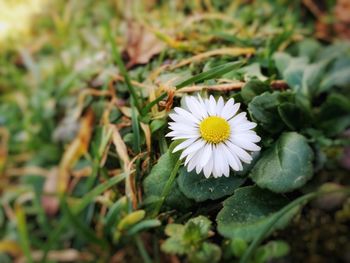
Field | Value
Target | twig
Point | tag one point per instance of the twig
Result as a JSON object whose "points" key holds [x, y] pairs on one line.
{"points": [[276, 84], [216, 52]]}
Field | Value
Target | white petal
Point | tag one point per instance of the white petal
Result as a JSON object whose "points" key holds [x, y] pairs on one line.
{"points": [[193, 148], [207, 154], [247, 145], [192, 107], [232, 161], [247, 137], [242, 154], [211, 103], [202, 103], [219, 106], [244, 126], [225, 168], [194, 161], [183, 145], [230, 109], [218, 163], [182, 119], [237, 119], [184, 134], [186, 114], [196, 108], [189, 157], [182, 127], [208, 168]]}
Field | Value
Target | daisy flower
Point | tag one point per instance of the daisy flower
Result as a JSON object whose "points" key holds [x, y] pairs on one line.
{"points": [[214, 136]]}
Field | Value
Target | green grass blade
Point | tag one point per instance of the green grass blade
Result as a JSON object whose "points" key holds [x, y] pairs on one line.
{"points": [[87, 199], [143, 225], [118, 60], [213, 73], [80, 227], [136, 130], [23, 233]]}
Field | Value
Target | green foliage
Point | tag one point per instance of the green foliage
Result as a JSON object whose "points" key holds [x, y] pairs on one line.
{"points": [[199, 188], [278, 111], [189, 239], [272, 250], [329, 69], [249, 210], [333, 117], [123, 185], [286, 165], [252, 89], [157, 179]]}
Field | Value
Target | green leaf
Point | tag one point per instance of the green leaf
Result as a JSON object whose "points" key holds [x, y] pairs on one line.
{"points": [[174, 246], [208, 253], [157, 179], [271, 250], [285, 166], [201, 223], [293, 116], [238, 246], [333, 117], [174, 230], [196, 186], [143, 225], [339, 78], [282, 61], [308, 48], [114, 213], [248, 211], [253, 71], [188, 238], [157, 124], [293, 74], [252, 89], [312, 76], [264, 110]]}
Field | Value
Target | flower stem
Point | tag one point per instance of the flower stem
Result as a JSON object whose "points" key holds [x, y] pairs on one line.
{"points": [[167, 187], [303, 199]]}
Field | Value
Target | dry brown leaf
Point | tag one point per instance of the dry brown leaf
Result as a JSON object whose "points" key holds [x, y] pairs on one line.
{"points": [[67, 255], [338, 27], [342, 15], [141, 44], [49, 201], [342, 11], [120, 147], [147, 132], [10, 247], [75, 150]]}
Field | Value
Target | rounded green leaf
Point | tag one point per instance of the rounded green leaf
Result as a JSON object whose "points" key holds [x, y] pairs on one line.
{"points": [[286, 166], [156, 180], [248, 211], [263, 109], [199, 188]]}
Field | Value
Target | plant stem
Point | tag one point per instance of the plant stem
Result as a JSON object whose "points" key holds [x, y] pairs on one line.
{"points": [[146, 258], [259, 238], [121, 66], [167, 187]]}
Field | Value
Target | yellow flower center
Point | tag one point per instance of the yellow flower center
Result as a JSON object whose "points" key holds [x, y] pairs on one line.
{"points": [[214, 129]]}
